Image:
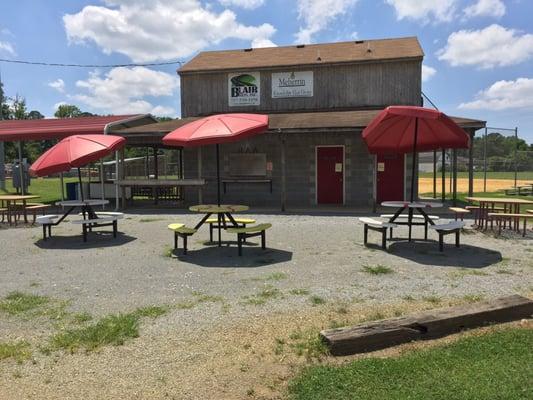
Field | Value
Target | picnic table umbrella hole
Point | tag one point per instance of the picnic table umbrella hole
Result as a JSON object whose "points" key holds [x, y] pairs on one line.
{"points": [[217, 129], [74, 152], [410, 129]]}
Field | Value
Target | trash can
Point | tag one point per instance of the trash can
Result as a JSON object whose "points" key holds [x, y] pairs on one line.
{"points": [[72, 190]]}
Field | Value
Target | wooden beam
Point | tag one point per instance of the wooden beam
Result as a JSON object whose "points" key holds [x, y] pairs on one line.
{"points": [[428, 325]]}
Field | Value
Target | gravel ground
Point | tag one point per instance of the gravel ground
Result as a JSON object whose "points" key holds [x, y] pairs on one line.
{"points": [[197, 352]]}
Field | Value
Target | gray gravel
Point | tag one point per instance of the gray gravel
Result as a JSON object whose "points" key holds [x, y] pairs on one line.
{"points": [[323, 254]]}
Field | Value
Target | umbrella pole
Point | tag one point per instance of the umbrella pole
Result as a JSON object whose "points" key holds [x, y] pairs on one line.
{"points": [[81, 185], [414, 162], [21, 169], [218, 175]]}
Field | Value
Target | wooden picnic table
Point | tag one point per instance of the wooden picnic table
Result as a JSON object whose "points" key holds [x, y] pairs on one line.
{"points": [[411, 207], [222, 211], [11, 209], [488, 204]]}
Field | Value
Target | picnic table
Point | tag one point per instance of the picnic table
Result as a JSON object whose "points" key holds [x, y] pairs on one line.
{"points": [[488, 205], [411, 207], [9, 203], [222, 211]]}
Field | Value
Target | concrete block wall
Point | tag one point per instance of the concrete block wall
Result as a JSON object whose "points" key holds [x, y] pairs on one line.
{"points": [[300, 170]]}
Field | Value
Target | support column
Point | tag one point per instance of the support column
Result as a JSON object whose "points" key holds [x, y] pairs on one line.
{"points": [[2, 163], [121, 177], [117, 179], [434, 174], [443, 175], [454, 173], [200, 188], [283, 172], [471, 164]]}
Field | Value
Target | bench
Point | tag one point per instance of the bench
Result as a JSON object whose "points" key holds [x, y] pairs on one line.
{"points": [[3, 212], [99, 214], [459, 212], [504, 217], [244, 233], [34, 207], [379, 226], [47, 221], [182, 231], [447, 229], [213, 224], [88, 224]]}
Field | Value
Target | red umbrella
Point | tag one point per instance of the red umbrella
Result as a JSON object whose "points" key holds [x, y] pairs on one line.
{"points": [[75, 152], [409, 129], [216, 129]]}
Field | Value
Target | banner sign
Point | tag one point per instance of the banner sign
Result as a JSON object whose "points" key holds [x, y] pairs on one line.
{"points": [[292, 84], [244, 89]]}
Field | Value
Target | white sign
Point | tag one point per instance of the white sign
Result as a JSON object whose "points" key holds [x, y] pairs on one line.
{"points": [[244, 89], [292, 84]]}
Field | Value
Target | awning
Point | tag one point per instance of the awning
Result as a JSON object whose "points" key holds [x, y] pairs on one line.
{"points": [[42, 129], [297, 121]]}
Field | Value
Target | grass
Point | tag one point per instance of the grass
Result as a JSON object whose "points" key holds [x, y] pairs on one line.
{"points": [[19, 351], [317, 300], [49, 189], [307, 344], [299, 292], [151, 219], [267, 293], [168, 251], [497, 365], [18, 303], [111, 330], [377, 269]]}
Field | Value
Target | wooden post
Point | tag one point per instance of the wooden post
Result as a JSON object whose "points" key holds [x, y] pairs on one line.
{"points": [[122, 174], [283, 172], [434, 174]]}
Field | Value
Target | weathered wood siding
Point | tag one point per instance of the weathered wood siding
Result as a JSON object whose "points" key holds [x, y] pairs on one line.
{"points": [[335, 87]]}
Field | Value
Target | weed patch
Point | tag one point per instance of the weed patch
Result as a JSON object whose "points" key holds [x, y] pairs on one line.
{"points": [[19, 351], [377, 269]]}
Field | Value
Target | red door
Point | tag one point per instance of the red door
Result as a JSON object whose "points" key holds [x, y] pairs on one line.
{"points": [[330, 174], [390, 177]]}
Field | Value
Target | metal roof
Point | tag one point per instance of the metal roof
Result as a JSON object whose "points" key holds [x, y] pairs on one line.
{"points": [[59, 128]]}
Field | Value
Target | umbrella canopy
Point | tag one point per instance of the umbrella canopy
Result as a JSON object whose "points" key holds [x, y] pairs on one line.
{"points": [[407, 129], [74, 152], [217, 129]]}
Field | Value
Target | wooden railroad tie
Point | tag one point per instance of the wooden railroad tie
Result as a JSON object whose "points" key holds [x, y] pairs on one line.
{"points": [[428, 325]]}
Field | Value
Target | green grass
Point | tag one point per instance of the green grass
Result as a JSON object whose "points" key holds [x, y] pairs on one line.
{"points": [[317, 300], [497, 365], [19, 351], [151, 219], [267, 293], [299, 292], [479, 175], [18, 303], [111, 330], [49, 189], [377, 269]]}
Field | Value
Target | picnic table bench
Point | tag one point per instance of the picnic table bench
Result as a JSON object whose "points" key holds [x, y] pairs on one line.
{"points": [[453, 227], [89, 224], [244, 233], [502, 218]]}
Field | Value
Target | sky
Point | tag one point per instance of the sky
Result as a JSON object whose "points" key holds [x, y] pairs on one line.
{"points": [[478, 53]]}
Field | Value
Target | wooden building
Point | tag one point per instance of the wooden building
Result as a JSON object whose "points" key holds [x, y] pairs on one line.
{"points": [[319, 99]]}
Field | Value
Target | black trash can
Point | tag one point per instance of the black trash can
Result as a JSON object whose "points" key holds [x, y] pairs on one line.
{"points": [[72, 190]]}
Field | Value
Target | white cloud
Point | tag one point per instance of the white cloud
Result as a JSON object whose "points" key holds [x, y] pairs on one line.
{"points": [[485, 8], [258, 43], [247, 4], [493, 46], [7, 48], [423, 10], [58, 85], [316, 15], [149, 30], [427, 72], [504, 95], [122, 91]]}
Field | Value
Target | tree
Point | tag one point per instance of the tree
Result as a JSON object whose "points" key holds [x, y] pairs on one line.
{"points": [[34, 114], [67, 111]]}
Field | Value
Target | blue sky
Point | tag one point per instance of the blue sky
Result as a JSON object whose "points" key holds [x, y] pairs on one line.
{"points": [[478, 63]]}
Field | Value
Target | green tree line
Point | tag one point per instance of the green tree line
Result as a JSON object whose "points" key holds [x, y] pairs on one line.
{"points": [[503, 152]]}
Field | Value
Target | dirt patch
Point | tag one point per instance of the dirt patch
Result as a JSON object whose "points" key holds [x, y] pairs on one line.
{"points": [[241, 360], [493, 185]]}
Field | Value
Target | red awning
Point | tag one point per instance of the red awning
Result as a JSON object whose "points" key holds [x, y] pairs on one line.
{"points": [[41, 129]]}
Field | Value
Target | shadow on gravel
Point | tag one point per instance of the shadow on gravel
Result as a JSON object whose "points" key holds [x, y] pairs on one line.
{"points": [[94, 240], [428, 253], [226, 256]]}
